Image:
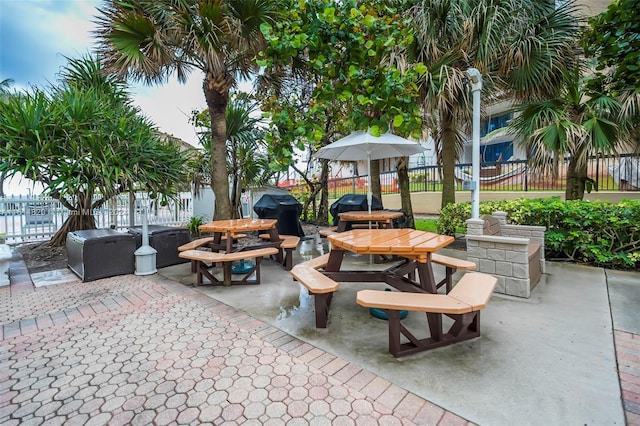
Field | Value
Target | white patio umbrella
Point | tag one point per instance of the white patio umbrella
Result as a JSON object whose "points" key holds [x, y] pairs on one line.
{"points": [[364, 146]]}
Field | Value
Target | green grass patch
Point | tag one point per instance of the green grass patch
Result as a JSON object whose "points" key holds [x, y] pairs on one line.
{"points": [[429, 225]]}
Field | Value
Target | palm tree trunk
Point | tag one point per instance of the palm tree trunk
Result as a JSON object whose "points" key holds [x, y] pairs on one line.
{"points": [[217, 101], [448, 158], [236, 209], [576, 177], [3, 176]]}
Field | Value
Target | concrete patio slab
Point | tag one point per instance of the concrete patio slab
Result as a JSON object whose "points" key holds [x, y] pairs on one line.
{"points": [[149, 350], [624, 297], [549, 359], [57, 276]]}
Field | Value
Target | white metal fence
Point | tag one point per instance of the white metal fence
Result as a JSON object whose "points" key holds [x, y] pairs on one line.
{"points": [[30, 218]]}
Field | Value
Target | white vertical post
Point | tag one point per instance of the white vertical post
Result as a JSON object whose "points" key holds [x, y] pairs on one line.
{"points": [[145, 226], [476, 87], [145, 255], [369, 192]]}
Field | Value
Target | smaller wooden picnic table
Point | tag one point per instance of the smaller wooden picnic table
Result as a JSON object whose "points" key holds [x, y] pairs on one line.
{"points": [[382, 218], [229, 228]]}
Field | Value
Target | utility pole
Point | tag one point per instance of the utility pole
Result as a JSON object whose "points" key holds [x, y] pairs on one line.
{"points": [[475, 78]]}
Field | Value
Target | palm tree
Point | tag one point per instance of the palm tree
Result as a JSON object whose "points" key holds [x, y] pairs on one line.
{"points": [[150, 40], [518, 46], [577, 124], [247, 162], [246, 156]]}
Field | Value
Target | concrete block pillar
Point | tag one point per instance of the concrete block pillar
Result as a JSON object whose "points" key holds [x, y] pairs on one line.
{"points": [[501, 216], [475, 226]]}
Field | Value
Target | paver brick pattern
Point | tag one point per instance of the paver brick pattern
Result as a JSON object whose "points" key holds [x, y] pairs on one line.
{"points": [[143, 350], [628, 356]]}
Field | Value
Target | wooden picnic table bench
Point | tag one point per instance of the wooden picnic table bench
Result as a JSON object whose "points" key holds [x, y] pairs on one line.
{"points": [[320, 287], [317, 284], [231, 227], [203, 242], [452, 264], [463, 304], [288, 243], [202, 257], [318, 262], [328, 231]]}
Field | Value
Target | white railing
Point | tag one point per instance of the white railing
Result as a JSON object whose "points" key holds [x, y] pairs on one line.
{"points": [[30, 218]]}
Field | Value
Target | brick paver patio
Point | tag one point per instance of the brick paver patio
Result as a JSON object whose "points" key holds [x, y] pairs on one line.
{"points": [[142, 350], [628, 356]]}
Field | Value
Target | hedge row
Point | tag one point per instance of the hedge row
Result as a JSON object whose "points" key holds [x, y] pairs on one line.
{"points": [[598, 233]]}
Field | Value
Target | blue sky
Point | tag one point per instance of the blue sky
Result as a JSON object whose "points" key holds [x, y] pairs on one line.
{"points": [[35, 37]]}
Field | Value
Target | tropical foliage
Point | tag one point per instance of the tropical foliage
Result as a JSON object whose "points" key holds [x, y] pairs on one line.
{"points": [[153, 40], [4, 95], [595, 232], [576, 124], [85, 142], [613, 42], [247, 161], [348, 60], [519, 47]]}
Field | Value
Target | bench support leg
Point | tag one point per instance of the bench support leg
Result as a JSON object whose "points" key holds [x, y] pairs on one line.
{"points": [[203, 270], [425, 273], [465, 326], [448, 279], [322, 305], [288, 259]]}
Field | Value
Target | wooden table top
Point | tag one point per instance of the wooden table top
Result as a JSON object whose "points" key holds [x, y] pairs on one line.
{"points": [[374, 216], [402, 242], [239, 225]]}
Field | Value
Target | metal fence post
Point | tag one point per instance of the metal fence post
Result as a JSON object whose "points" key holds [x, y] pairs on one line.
{"points": [[132, 209], [597, 172]]}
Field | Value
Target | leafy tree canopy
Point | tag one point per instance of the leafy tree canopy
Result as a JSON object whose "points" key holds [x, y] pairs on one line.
{"points": [[614, 41], [85, 142], [152, 40], [352, 74]]}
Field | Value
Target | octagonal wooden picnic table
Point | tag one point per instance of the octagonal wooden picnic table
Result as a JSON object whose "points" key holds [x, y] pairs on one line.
{"points": [[382, 218], [415, 247], [230, 227]]}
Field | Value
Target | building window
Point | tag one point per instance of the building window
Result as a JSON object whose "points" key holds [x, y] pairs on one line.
{"points": [[497, 152], [494, 123]]}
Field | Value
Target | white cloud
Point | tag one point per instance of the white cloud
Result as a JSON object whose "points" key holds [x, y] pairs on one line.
{"points": [[170, 106], [33, 54]]}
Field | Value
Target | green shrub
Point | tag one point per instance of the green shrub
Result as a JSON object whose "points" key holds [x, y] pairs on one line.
{"points": [[194, 225], [417, 178], [453, 217], [598, 233]]}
